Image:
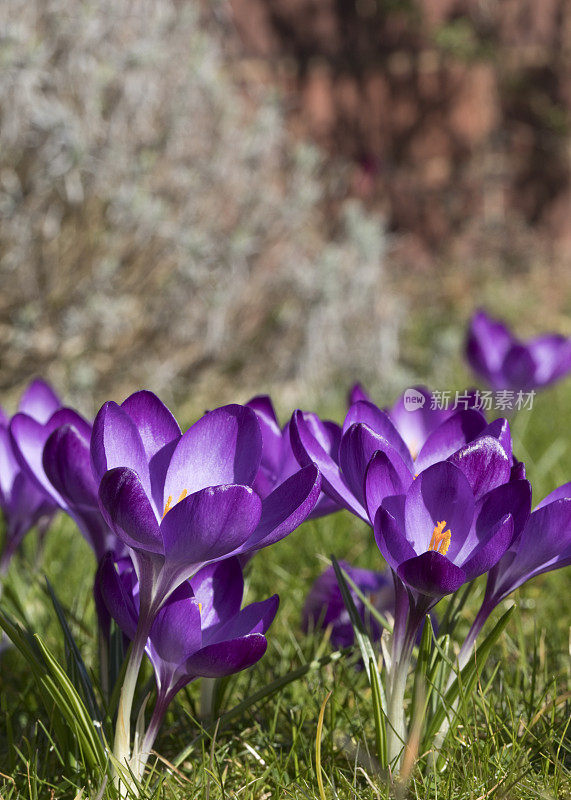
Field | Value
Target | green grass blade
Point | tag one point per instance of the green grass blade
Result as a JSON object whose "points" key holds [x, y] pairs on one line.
{"points": [[77, 669], [466, 678], [361, 636]]}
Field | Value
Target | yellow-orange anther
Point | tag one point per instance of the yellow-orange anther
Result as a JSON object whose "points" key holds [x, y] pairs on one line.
{"points": [[168, 505], [440, 541], [200, 607]]}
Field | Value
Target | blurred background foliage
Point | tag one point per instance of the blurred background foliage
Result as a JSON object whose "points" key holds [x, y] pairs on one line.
{"points": [[217, 199]]}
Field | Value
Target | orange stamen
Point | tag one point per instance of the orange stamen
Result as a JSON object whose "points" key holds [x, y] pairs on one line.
{"points": [[441, 539], [168, 506]]}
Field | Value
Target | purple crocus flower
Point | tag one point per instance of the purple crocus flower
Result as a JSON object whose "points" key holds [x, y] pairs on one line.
{"points": [[22, 501], [200, 631], [543, 545], [483, 452], [324, 605], [54, 453], [436, 537], [506, 362], [278, 461], [440, 535], [181, 502]]}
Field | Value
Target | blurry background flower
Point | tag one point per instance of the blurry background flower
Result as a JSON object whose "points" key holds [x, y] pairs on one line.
{"points": [[324, 607]]}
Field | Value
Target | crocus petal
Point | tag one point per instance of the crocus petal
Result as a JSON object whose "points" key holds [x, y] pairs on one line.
{"points": [[415, 425], [552, 355], [308, 450], [512, 498], [385, 476], [153, 420], [209, 524], [451, 435], [357, 394], [500, 430], [431, 574], [285, 508], [67, 464], [254, 618], [226, 658], [9, 466], [28, 438], [176, 632], [264, 409], [118, 601], [219, 589], [128, 511], [485, 464], [115, 442], [358, 446], [223, 447], [489, 552], [379, 422], [519, 367], [487, 343], [556, 494], [544, 543], [440, 493], [39, 401], [390, 539]]}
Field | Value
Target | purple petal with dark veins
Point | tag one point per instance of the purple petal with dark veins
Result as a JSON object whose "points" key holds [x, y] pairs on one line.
{"points": [[223, 447], [219, 589], [226, 658], [116, 442], [451, 435], [431, 574], [488, 552], [385, 476], [209, 524], [153, 420], [308, 450], [127, 509], [285, 508], [485, 464], [390, 539], [440, 493], [381, 424], [176, 632]]}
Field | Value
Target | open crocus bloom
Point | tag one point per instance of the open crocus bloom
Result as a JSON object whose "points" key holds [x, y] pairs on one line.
{"points": [[439, 535], [22, 501], [483, 452], [505, 362], [324, 604], [180, 502], [278, 461], [201, 629], [414, 425], [543, 545], [55, 455]]}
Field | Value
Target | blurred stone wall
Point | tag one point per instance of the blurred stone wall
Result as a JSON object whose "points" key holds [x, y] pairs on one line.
{"points": [[161, 229], [456, 113]]}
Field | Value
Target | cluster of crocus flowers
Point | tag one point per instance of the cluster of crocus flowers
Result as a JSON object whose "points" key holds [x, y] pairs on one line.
{"points": [[447, 502], [173, 518]]}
